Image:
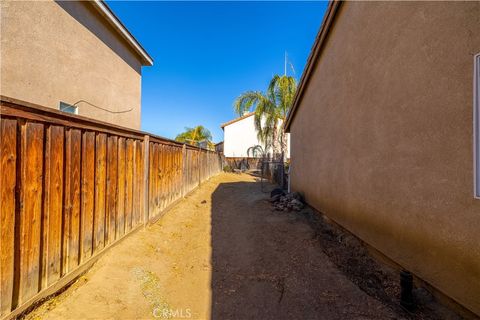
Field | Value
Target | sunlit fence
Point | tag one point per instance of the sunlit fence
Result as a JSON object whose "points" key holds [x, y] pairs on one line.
{"points": [[72, 187]]}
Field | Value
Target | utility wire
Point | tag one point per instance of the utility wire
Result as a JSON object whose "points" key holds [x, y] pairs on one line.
{"points": [[91, 104]]}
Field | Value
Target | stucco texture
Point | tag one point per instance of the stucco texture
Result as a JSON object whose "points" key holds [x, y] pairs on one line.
{"points": [[240, 135], [66, 51], [382, 139]]}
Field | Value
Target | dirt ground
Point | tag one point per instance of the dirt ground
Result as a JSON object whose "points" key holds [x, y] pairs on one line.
{"points": [[220, 253]]}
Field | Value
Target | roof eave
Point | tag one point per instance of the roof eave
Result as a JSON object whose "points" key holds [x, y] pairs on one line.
{"points": [[237, 119], [105, 11], [322, 34]]}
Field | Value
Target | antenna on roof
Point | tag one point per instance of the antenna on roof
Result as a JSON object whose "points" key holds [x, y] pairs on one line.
{"points": [[286, 62], [291, 66]]}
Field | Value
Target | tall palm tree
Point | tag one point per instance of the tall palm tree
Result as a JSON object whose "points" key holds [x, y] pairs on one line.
{"points": [[271, 110], [195, 135]]}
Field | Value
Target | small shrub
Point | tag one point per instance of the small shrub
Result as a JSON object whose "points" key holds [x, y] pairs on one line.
{"points": [[227, 168]]}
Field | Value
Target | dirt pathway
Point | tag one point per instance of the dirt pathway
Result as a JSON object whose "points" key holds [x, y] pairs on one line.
{"points": [[221, 253]]}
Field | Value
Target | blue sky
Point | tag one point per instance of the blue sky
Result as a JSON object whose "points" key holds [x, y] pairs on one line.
{"points": [[207, 53]]}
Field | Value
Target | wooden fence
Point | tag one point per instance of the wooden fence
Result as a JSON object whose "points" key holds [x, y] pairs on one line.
{"points": [[244, 163], [71, 187]]}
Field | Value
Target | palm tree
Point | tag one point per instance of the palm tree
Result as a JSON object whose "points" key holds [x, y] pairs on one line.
{"points": [[195, 135], [256, 151], [271, 110]]}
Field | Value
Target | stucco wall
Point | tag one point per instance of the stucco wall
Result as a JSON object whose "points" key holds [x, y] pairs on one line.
{"points": [[238, 137], [65, 51], [241, 135], [382, 140]]}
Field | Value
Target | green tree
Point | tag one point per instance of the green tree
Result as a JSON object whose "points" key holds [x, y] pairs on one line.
{"points": [[195, 136], [271, 109]]}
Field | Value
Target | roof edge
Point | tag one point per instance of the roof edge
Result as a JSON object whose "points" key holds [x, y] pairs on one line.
{"points": [[237, 119], [105, 11], [322, 34]]}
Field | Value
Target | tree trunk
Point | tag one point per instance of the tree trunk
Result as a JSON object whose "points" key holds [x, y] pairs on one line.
{"points": [[283, 145], [276, 144]]}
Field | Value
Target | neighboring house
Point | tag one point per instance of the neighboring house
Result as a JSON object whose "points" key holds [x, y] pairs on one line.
{"points": [[239, 135], [219, 147], [70, 56], [382, 135], [205, 144]]}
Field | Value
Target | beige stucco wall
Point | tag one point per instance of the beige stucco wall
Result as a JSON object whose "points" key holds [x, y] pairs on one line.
{"points": [[52, 52], [382, 140]]}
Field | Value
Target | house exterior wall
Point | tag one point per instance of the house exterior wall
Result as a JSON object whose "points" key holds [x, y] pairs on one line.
{"points": [[241, 135], [238, 137], [382, 138], [66, 51]]}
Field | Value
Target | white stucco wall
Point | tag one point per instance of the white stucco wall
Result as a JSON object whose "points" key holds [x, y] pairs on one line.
{"points": [[241, 135]]}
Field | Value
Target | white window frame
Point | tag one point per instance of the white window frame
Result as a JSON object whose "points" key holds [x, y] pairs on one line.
{"points": [[64, 105], [476, 125]]}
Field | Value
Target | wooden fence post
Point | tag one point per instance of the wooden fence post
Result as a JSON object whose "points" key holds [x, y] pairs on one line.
{"points": [[146, 170], [199, 153], [184, 167]]}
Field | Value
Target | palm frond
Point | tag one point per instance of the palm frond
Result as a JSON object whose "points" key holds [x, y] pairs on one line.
{"points": [[256, 151], [194, 135], [270, 108], [246, 101]]}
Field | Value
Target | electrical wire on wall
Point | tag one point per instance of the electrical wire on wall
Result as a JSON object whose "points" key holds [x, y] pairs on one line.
{"points": [[107, 110]]}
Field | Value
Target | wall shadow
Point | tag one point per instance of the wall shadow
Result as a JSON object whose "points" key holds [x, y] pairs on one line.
{"points": [[86, 15], [261, 267], [235, 253]]}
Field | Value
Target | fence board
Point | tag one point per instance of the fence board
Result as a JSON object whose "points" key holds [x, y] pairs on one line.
{"points": [[180, 171], [141, 184], [30, 210], [88, 194], [120, 221], [175, 173], [8, 158], [168, 175], [75, 184], [171, 174], [135, 197], [181, 155], [163, 177], [157, 179], [52, 206], [171, 169], [138, 190], [111, 198], [129, 185], [67, 207], [151, 204], [100, 184], [151, 187]]}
